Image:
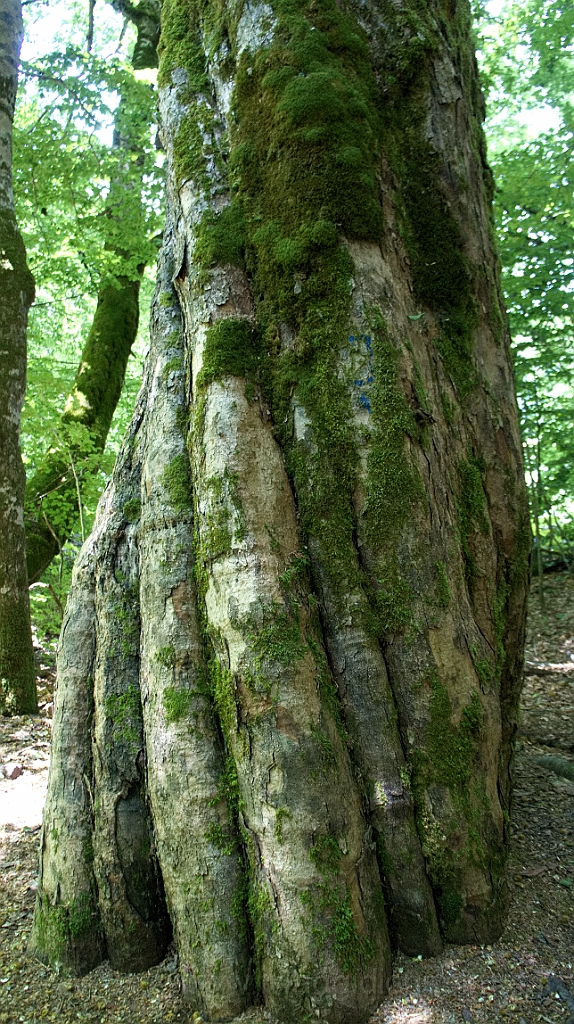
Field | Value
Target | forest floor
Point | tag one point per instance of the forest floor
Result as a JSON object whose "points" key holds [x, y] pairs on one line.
{"points": [[524, 978]]}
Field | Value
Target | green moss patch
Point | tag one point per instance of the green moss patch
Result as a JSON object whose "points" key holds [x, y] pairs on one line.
{"points": [[448, 759], [442, 277], [176, 704], [442, 585], [132, 510], [232, 349], [393, 486], [177, 481], [124, 713], [59, 928], [328, 905], [471, 508], [223, 691], [279, 641]]}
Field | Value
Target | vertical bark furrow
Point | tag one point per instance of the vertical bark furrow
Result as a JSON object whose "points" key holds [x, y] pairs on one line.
{"points": [[130, 891], [458, 543], [75, 904], [197, 842], [370, 718]]}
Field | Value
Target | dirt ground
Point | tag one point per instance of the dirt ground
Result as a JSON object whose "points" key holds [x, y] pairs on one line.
{"points": [[525, 978]]}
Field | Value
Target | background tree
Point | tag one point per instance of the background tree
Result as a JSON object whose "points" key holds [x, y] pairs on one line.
{"points": [[527, 63], [83, 241], [290, 662], [17, 673], [53, 494]]}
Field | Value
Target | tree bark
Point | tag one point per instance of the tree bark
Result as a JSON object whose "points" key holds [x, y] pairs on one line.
{"points": [[333, 538], [17, 672]]}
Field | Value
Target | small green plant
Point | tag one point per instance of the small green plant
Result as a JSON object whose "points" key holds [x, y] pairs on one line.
{"points": [[223, 839], [326, 855], [278, 641], [223, 691]]}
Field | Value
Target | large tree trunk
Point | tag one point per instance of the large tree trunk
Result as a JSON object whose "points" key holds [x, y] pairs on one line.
{"points": [[17, 673], [287, 694]]}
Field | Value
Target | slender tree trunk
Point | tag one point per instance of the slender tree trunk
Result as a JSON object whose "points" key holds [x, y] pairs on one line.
{"points": [[332, 544], [52, 506], [17, 673]]}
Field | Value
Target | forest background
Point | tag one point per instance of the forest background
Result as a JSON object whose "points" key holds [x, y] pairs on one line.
{"points": [[85, 119]]}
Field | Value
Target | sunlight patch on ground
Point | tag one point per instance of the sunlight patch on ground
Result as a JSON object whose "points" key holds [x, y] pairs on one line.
{"points": [[22, 800]]}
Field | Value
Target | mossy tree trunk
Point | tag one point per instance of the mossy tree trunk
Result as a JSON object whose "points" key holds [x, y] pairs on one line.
{"points": [[313, 553], [17, 673]]}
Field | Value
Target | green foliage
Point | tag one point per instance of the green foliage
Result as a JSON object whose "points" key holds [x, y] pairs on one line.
{"points": [[528, 69], [90, 213], [63, 172]]}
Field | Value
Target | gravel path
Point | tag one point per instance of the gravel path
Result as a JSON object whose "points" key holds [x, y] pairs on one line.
{"points": [[527, 977]]}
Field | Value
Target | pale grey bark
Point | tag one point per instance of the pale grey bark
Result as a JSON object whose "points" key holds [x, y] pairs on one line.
{"points": [[17, 673]]}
